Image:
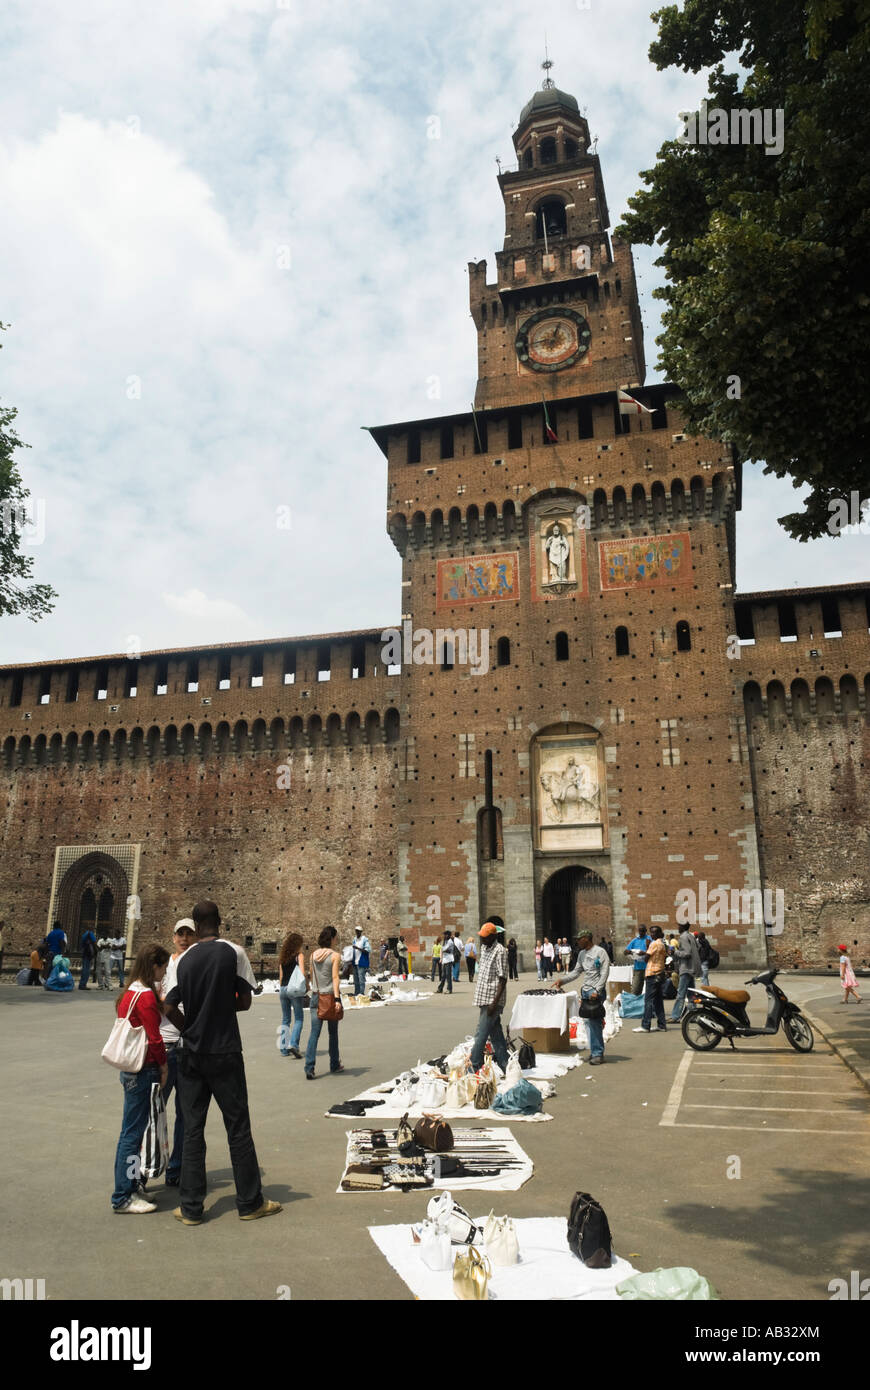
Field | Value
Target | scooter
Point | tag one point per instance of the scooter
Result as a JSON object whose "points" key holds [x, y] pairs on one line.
{"points": [[713, 1014]]}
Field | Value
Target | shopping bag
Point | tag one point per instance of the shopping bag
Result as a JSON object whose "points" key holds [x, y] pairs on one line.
{"points": [[154, 1153], [522, 1099], [678, 1284], [500, 1239], [435, 1246]]}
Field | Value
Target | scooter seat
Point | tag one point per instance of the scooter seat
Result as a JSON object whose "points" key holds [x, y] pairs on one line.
{"points": [[731, 996]]}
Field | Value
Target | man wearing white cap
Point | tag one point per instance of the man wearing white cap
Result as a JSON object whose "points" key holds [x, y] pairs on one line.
{"points": [[183, 936]]}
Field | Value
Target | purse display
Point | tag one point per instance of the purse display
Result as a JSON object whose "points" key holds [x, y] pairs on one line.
{"points": [[405, 1141], [454, 1219], [500, 1239], [433, 1134], [471, 1274]]}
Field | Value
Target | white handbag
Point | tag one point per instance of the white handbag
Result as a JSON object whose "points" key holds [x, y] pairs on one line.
{"points": [[296, 986], [513, 1074], [452, 1218], [126, 1046], [500, 1239], [435, 1247], [431, 1093]]}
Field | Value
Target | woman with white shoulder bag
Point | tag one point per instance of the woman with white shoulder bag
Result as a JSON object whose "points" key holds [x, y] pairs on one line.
{"points": [[293, 992], [136, 1048]]}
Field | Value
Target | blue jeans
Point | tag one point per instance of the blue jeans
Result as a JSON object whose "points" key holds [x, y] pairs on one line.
{"points": [[291, 1008], [314, 1036], [653, 1001], [456, 970], [705, 973], [594, 1027], [680, 1002], [119, 966], [359, 979], [489, 1028], [86, 972], [446, 978], [173, 1166], [137, 1099]]}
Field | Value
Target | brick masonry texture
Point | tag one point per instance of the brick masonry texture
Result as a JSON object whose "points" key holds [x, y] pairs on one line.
{"points": [[412, 801]]}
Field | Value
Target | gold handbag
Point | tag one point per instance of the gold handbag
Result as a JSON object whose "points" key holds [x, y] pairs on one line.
{"points": [[471, 1274]]}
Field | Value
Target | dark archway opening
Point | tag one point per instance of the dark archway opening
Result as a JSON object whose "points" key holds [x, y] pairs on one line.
{"points": [[576, 899]]}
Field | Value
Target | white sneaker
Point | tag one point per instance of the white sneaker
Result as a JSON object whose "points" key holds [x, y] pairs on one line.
{"points": [[641, 1030], [137, 1207]]}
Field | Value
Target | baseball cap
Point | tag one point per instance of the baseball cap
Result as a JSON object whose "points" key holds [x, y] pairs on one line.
{"points": [[185, 924], [488, 929]]}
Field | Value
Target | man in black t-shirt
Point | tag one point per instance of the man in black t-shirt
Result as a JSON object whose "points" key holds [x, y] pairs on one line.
{"points": [[215, 982]]}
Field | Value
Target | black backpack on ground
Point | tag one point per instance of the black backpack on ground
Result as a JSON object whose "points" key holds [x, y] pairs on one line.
{"points": [[526, 1056], [589, 1232]]}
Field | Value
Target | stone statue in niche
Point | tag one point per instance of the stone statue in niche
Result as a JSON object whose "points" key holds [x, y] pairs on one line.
{"points": [[558, 552], [556, 565], [572, 791]]}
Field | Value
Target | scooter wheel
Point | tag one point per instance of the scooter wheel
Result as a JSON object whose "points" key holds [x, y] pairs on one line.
{"points": [[696, 1035], [798, 1032]]}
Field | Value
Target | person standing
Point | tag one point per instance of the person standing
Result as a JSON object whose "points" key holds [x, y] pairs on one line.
{"points": [[325, 981], [436, 959], [539, 960], [361, 956], [704, 953], [104, 963], [214, 983], [35, 967], [490, 996], [447, 958], [402, 957], [117, 953], [384, 957], [513, 973], [593, 963], [608, 946], [565, 955], [548, 954], [655, 977], [56, 941], [848, 979], [470, 958], [292, 1005], [139, 1004], [690, 969], [89, 951], [458, 948], [183, 937], [637, 949]]}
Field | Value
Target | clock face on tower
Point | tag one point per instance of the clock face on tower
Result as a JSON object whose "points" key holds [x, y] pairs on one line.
{"points": [[552, 339]]}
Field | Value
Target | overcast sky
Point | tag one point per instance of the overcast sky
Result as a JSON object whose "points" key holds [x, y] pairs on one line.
{"points": [[228, 241]]}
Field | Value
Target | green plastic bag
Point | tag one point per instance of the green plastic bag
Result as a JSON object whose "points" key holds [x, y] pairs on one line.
{"points": [[681, 1283]]}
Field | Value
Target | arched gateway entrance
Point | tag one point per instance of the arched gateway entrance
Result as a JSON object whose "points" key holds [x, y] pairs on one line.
{"points": [[576, 899], [92, 897]]}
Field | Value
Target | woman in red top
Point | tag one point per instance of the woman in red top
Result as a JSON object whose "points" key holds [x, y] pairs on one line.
{"points": [[139, 1003]]}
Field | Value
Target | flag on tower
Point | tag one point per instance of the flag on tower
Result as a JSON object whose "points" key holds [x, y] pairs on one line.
{"points": [[552, 437], [629, 406]]}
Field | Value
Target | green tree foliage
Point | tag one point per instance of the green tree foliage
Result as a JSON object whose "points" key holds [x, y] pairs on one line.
{"points": [[766, 256], [34, 600]]}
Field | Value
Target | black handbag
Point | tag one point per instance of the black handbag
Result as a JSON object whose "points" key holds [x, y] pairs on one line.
{"points": [[587, 1009], [589, 1235], [526, 1056]]}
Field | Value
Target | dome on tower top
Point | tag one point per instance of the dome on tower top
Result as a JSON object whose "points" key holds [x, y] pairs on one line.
{"points": [[547, 100]]}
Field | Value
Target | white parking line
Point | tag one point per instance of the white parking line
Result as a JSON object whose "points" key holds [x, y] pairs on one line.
{"points": [[801, 1109]]}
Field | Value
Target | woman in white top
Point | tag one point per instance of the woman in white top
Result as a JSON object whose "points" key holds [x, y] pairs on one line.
{"points": [[549, 955]]}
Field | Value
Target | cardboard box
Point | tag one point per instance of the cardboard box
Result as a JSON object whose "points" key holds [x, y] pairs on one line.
{"points": [[547, 1039], [615, 987]]}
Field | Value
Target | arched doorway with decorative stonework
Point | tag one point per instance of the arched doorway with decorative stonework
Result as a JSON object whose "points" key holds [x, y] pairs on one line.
{"points": [[92, 896]]}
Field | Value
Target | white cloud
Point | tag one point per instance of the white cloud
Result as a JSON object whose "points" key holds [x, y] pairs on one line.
{"points": [[153, 162]]}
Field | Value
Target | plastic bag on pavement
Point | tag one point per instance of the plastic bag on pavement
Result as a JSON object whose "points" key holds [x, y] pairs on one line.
{"points": [[678, 1284]]}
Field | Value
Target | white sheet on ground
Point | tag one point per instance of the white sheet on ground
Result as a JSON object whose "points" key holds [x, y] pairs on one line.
{"points": [[547, 1269]]}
